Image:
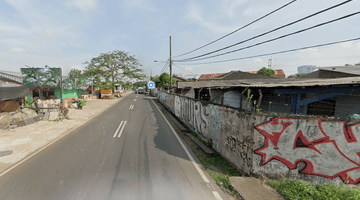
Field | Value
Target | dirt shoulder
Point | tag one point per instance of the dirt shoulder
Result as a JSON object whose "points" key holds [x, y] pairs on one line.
{"points": [[19, 143]]}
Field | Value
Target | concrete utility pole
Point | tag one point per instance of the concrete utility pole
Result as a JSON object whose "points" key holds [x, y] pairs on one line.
{"points": [[269, 63], [170, 66]]}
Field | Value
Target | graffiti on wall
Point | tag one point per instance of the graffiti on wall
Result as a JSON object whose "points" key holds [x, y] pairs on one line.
{"points": [[328, 148], [194, 113], [241, 148]]}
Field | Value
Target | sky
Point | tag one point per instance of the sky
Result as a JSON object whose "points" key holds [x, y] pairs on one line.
{"points": [[67, 33]]}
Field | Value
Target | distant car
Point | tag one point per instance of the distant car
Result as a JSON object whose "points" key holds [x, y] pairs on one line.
{"points": [[140, 91]]}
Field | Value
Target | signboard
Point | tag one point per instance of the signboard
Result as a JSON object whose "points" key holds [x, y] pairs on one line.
{"points": [[44, 77], [151, 84]]}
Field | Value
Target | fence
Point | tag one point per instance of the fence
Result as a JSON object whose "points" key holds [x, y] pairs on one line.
{"points": [[293, 146]]}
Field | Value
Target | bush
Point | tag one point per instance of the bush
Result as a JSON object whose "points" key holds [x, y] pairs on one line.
{"points": [[298, 189], [83, 102]]}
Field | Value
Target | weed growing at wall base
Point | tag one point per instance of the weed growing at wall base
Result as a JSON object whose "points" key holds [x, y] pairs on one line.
{"points": [[221, 178], [298, 189]]}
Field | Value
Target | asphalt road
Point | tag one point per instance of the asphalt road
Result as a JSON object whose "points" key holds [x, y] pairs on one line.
{"points": [[127, 152]]}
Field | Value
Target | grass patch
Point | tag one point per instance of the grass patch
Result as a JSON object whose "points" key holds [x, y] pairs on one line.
{"points": [[226, 170], [298, 189]]}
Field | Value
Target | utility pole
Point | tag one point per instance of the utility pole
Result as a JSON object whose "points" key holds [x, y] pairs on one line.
{"points": [[269, 63], [170, 66]]}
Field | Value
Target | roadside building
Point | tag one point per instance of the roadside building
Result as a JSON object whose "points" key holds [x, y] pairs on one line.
{"points": [[338, 97]]}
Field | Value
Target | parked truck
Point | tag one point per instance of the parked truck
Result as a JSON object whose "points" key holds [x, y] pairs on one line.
{"points": [[106, 93]]}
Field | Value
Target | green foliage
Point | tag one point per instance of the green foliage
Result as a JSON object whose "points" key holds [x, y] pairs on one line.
{"points": [[83, 102], [301, 74], [164, 80], [266, 72], [298, 189], [28, 104], [140, 84], [113, 67], [155, 79]]}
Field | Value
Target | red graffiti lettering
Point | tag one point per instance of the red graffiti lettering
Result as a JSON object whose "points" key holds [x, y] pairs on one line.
{"points": [[328, 148]]}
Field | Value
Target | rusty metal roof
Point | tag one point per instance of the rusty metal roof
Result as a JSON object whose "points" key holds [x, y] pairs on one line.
{"points": [[271, 82], [206, 76]]}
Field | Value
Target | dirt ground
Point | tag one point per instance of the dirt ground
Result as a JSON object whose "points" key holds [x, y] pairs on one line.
{"points": [[16, 144]]}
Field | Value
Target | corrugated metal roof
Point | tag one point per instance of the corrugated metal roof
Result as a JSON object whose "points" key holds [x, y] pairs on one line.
{"points": [[271, 82], [343, 69]]}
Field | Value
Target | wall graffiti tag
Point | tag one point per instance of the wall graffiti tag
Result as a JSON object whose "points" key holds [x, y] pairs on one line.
{"points": [[194, 113], [240, 148], [329, 149]]}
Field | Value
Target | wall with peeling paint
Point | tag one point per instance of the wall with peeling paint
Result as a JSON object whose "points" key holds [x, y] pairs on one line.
{"points": [[314, 150]]}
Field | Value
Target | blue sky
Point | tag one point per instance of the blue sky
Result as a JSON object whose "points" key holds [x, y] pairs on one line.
{"points": [[66, 33]]}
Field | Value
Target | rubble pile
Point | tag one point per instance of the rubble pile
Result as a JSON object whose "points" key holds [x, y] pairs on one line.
{"points": [[18, 118], [49, 109], [67, 101]]}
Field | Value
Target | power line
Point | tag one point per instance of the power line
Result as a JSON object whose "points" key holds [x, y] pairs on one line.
{"points": [[183, 69], [277, 38], [189, 17], [238, 29], [281, 27], [279, 52], [164, 67]]}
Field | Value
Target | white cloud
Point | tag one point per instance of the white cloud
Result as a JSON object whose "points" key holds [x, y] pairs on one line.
{"points": [[232, 8], [18, 50], [83, 5], [194, 11], [141, 4]]}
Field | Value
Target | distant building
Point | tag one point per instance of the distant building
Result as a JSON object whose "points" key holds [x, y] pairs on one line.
{"points": [[334, 72], [305, 69]]}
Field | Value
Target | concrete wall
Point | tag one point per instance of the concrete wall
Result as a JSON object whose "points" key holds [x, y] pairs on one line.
{"points": [[314, 150]]}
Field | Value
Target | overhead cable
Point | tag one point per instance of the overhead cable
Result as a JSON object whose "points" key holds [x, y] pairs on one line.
{"points": [[281, 27], [238, 29], [183, 68], [279, 52], [277, 38]]}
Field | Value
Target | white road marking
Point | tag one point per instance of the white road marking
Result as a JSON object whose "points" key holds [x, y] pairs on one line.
{"points": [[122, 129], [55, 140], [186, 151], [118, 128], [216, 194], [131, 107], [134, 99]]}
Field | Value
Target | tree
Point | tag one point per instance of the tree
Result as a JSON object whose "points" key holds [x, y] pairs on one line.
{"points": [[155, 79], [139, 84], [266, 72], [164, 80], [110, 68]]}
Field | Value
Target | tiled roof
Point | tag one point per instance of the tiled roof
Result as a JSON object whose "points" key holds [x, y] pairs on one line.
{"points": [[207, 76]]}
